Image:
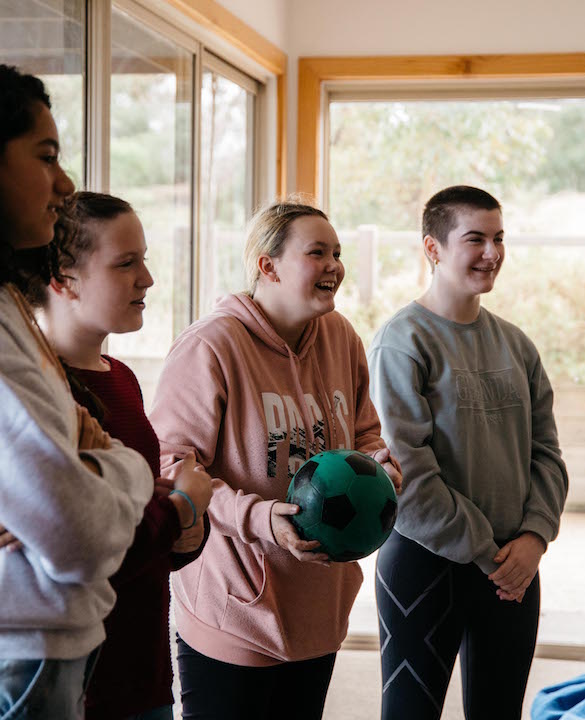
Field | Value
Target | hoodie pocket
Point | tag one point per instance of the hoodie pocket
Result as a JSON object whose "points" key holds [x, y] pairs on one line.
{"points": [[232, 570], [257, 620], [300, 612], [248, 603]]}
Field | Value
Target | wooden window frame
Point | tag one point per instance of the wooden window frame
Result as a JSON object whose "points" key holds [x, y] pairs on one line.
{"points": [[228, 27], [314, 72]]}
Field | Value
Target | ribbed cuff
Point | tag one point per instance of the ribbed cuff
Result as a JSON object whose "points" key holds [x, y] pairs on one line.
{"points": [[539, 525], [260, 526], [485, 560]]}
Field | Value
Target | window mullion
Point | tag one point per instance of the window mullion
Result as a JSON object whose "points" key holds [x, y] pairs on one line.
{"points": [[99, 21], [196, 264]]}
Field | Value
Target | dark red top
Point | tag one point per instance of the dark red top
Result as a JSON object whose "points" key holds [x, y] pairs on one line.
{"points": [[133, 673]]}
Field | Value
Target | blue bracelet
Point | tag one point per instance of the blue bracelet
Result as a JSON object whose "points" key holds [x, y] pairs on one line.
{"points": [[188, 499]]}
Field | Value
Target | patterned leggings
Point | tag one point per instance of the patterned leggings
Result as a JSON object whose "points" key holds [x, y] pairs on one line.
{"points": [[429, 609]]}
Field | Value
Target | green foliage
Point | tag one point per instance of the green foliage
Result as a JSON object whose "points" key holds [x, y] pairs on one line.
{"points": [[387, 159], [223, 152], [143, 130], [541, 290], [67, 108], [564, 165]]}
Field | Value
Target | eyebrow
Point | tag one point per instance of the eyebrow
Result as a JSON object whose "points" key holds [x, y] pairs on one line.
{"points": [[129, 254], [320, 243], [51, 142], [479, 232]]}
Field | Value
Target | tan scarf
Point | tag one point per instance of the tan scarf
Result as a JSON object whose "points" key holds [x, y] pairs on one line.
{"points": [[29, 317]]}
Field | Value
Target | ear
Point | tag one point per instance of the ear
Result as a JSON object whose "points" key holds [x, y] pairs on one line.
{"points": [[267, 268], [64, 288], [432, 248]]}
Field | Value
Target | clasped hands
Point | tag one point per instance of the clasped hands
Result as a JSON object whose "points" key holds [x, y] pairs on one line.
{"points": [[194, 483], [518, 560]]}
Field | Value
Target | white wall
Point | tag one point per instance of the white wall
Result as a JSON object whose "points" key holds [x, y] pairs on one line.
{"points": [[427, 27], [409, 27], [267, 17]]}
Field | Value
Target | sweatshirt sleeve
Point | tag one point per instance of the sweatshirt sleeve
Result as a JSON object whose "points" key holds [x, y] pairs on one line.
{"points": [[79, 523], [430, 512], [548, 473], [179, 560], [367, 424], [187, 415], [155, 536]]}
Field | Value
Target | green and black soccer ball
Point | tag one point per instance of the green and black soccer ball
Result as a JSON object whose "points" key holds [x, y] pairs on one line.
{"points": [[347, 501]]}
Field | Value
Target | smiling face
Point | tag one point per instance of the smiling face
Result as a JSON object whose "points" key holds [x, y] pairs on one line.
{"points": [[110, 284], [32, 183], [309, 270], [470, 260]]}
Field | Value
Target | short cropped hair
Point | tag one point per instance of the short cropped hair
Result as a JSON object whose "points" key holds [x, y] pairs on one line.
{"points": [[440, 213], [268, 231]]}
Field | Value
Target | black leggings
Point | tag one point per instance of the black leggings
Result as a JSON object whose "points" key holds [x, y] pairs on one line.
{"points": [[430, 608], [214, 690]]}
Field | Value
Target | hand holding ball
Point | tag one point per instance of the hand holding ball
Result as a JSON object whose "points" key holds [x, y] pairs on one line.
{"points": [[347, 502]]}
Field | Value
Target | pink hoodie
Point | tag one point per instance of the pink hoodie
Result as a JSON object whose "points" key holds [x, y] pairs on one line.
{"points": [[252, 411]]}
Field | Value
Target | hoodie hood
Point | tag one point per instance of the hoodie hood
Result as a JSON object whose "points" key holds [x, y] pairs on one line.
{"points": [[244, 309], [249, 313]]}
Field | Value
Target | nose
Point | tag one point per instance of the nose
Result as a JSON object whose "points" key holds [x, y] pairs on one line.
{"points": [[491, 251], [333, 263], [63, 184], [145, 279]]}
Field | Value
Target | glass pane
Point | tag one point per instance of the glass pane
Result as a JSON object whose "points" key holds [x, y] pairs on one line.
{"points": [[386, 160], [226, 175], [47, 38], [150, 166]]}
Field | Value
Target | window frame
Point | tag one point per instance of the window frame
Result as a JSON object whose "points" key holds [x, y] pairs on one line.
{"points": [[255, 95], [264, 164], [439, 90], [216, 30], [317, 76]]}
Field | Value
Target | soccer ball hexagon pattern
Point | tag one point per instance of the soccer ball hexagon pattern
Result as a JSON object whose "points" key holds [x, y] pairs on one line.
{"points": [[347, 501]]}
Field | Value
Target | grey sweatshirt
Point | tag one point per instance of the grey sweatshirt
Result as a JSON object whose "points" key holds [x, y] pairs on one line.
{"points": [[75, 525], [467, 409]]}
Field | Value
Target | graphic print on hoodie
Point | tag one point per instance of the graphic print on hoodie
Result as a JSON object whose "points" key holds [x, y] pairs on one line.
{"points": [[285, 421]]}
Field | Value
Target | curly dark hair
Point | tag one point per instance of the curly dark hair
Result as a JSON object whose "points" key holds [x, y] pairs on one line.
{"points": [[19, 96], [81, 212], [76, 232]]}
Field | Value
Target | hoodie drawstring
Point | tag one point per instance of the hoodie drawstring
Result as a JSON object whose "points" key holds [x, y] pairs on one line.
{"points": [[250, 314], [305, 412], [325, 402], [306, 415]]}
